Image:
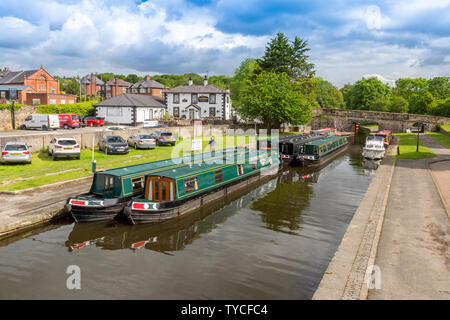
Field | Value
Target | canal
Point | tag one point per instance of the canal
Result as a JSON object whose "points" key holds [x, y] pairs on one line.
{"points": [[273, 241]]}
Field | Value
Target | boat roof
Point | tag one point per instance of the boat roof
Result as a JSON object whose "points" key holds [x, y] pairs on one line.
{"points": [[147, 166], [383, 132], [195, 168], [324, 140]]}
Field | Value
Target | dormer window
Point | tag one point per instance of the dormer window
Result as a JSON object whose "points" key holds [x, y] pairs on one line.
{"points": [[212, 98], [194, 98]]}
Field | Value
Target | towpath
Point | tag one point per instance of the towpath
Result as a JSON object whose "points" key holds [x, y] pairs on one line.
{"points": [[413, 253]]}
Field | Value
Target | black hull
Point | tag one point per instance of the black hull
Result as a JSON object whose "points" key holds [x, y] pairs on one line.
{"points": [[322, 160], [88, 214]]}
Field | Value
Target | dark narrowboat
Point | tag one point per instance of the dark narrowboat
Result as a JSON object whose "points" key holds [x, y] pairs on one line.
{"points": [[112, 189], [175, 192], [318, 151]]}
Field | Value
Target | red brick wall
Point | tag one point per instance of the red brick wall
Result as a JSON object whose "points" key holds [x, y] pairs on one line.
{"points": [[48, 98]]}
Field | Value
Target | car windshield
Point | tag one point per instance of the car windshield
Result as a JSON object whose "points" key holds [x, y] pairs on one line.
{"points": [[166, 134], [15, 147], [145, 136], [67, 142], [115, 139]]}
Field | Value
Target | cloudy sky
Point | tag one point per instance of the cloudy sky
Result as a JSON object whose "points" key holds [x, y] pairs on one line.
{"points": [[348, 39]]}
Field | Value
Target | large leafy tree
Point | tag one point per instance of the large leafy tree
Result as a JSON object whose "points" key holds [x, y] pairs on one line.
{"points": [[274, 99], [327, 95], [365, 92], [439, 87], [241, 74], [286, 56], [398, 105]]}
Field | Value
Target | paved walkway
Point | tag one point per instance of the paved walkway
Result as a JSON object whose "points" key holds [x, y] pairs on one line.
{"points": [[413, 252]]}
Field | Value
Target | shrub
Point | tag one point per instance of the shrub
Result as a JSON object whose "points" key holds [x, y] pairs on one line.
{"points": [[8, 106], [81, 108]]}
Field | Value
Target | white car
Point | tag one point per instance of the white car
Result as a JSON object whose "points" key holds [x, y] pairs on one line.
{"points": [[15, 152], [142, 140], [63, 147], [41, 121]]}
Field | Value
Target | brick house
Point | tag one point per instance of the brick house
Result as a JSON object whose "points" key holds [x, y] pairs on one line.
{"points": [[114, 87], [41, 86], [198, 101], [148, 87], [92, 84]]}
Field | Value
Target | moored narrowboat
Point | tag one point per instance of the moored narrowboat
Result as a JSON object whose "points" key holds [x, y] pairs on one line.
{"points": [[374, 147], [318, 151], [175, 192], [112, 189]]}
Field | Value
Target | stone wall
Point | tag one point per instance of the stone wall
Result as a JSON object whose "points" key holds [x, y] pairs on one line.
{"points": [[344, 120], [20, 115]]}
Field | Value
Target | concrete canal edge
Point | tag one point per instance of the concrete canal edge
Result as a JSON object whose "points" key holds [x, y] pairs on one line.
{"points": [[349, 271], [45, 186], [438, 187]]}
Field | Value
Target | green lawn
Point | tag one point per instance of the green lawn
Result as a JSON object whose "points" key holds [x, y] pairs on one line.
{"points": [[446, 127], [44, 170], [441, 138], [408, 143]]}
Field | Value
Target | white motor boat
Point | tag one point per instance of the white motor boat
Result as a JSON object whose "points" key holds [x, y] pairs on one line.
{"points": [[374, 148]]}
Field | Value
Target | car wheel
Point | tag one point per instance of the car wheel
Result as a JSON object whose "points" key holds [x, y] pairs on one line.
{"points": [[53, 157], [157, 143], [48, 151], [135, 146], [66, 126], [23, 127], [45, 128], [78, 157], [173, 143]]}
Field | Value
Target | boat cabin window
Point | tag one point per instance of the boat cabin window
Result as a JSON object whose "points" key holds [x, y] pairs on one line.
{"points": [[137, 183], [240, 169], [254, 166], [190, 184], [109, 184], [316, 150], [218, 176]]}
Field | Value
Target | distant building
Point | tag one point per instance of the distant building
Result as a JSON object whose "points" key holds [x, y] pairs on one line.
{"points": [[130, 109], [198, 101], [42, 87], [114, 87], [91, 84], [148, 87]]}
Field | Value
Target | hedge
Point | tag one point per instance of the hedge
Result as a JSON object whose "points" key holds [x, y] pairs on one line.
{"points": [[80, 108], [8, 106]]}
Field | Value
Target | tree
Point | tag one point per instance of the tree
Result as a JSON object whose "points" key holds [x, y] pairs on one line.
{"points": [[379, 104], [107, 76], [398, 105], [440, 108], [71, 86], [364, 92], [439, 87], [327, 95], [241, 74], [281, 55], [274, 99], [133, 78]]}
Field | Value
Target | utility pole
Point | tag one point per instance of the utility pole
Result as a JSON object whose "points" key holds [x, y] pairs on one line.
{"points": [[13, 97], [418, 130], [13, 117]]}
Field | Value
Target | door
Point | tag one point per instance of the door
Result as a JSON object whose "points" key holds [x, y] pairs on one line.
{"points": [[191, 113], [160, 189]]}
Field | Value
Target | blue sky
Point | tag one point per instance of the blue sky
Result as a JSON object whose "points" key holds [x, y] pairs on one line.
{"points": [[348, 39]]}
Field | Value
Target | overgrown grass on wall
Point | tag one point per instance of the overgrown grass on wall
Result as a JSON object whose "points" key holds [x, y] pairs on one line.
{"points": [[81, 108]]}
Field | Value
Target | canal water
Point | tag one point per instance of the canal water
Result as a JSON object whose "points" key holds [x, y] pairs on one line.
{"points": [[273, 241]]}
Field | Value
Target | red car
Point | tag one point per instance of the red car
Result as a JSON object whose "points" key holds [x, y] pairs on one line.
{"points": [[94, 122], [67, 121]]}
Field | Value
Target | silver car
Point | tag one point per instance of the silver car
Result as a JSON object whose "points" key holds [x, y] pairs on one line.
{"points": [[16, 152], [164, 137], [142, 140]]}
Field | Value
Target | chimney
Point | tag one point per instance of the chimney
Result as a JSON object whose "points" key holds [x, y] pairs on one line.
{"points": [[228, 89], [101, 76], [92, 84], [147, 77], [116, 87], [190, 81], [205, 82], [42, 66]]}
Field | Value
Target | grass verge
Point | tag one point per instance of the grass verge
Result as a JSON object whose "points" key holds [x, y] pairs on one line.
{"points": [[441, 138], [408, 143]]}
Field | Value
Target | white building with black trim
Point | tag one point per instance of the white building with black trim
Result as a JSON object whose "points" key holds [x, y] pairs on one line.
{"points": [[198, 101], [130, 109]]}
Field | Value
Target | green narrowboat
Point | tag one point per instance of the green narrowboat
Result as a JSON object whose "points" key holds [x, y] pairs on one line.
{"points": [[112, 189], [175, 192], [316, 152]]}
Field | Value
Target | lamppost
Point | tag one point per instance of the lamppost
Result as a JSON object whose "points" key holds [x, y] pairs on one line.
{"points": [[419, 125], [13, 98]]}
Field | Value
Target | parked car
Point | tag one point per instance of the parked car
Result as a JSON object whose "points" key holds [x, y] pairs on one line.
{"points": [[63, 147], [67, 121], [142, 140], [94, 122], [115, 128], [16, 152], [41, 121], [81, 120], [164, 137], [113, 144]]}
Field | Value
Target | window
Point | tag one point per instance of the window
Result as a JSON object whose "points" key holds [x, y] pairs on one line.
{"points": [[156, 190], [190, 184], [228, 99], [176, 98], [2, 94], [164, 190], [240, 169], [254, 166], [53, 90], [114, 112], [137, 183], [212, 112], [218, 176], [109, 184], [28, 118], [36, 101], [52, 101], [176, 111], [63, 101], [194, 98], [142, 90], [212, 98]]}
